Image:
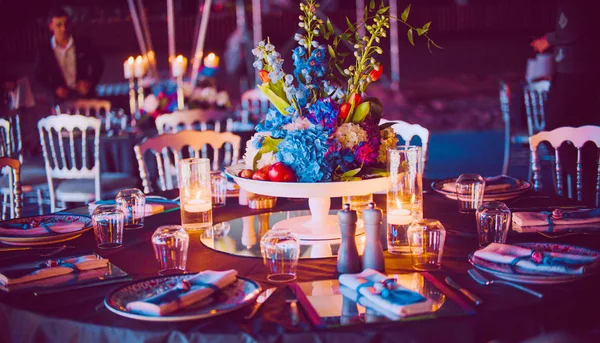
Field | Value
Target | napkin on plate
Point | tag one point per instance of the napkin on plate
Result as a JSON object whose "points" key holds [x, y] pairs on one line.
{"points": [[201, 286], [571, 218], [552, 262], [400, 301], [38, 230], [42, 270], [492, 184]]}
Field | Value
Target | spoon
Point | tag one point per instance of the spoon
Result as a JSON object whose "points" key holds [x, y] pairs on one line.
{"points": [[482, 280]]}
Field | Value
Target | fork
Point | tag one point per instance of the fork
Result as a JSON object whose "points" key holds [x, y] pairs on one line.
{"points": [[482, 280]]}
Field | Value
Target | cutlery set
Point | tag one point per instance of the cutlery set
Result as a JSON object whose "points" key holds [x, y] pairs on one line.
{"points": [[484, 281]]}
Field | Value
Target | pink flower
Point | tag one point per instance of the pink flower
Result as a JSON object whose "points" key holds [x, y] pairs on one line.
{"points": [[368, 151]]}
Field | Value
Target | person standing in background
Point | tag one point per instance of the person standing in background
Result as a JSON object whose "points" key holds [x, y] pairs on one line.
{"points": [[573, 99], [68, 67], [575, 89]]}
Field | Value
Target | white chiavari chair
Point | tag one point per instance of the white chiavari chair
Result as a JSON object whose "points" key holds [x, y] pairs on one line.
{"points": [[578, 136], [254, 102], [168, 148], [408, 131], [11, 196], [536, 95], [64, 140], [87, 107]]}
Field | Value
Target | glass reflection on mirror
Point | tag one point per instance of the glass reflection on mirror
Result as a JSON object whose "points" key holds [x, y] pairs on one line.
{"points": [[241, 236]]}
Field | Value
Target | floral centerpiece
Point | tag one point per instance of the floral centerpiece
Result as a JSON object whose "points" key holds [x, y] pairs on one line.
{"points": [[322, 125], [164, 98]]}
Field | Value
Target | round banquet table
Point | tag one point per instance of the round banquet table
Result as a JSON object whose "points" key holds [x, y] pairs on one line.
{"points": [[506, 314]]}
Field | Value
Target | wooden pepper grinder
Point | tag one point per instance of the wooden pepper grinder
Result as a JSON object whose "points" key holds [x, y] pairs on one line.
{"points": [[373, 254], [348, 259]]}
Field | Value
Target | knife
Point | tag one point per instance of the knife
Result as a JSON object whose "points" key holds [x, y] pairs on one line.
{"points": [[474, 298], [80, 286], [290, 298], [262, 297]]}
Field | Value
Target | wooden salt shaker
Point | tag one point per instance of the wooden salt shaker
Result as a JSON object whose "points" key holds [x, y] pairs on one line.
{"points": [[348, 259], [373, 254]]}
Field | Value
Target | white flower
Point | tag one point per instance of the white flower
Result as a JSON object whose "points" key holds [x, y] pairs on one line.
{"points": [[350, 135], [253, 145], [265, 160], [150, 103], [300, 123], [208, 94]]}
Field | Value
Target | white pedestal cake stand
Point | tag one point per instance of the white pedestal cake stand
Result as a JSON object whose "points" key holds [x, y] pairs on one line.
{"points": [[320, 225]]}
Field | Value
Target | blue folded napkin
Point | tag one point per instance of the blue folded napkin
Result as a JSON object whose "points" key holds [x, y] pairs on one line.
{"points": [[385, 295]]}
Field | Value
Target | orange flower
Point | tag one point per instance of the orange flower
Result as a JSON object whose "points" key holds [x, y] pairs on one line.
{"points": [[264, 76]]}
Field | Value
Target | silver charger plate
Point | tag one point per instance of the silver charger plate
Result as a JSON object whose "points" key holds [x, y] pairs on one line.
{"points": [[237, 295], [503, 271], [521, 187]]}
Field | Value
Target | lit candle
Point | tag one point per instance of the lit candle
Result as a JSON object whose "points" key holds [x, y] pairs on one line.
{"points": [[139, 67], [399, 217], [128, 67], [211, 61], [178, 66], [197, 205]]}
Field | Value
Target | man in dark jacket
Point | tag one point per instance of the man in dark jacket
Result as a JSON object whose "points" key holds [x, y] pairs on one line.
{"points": [[68, 68], [574, 95]]}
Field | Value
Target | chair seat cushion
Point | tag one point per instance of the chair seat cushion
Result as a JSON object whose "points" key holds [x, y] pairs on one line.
{"points": [[83, 190]]}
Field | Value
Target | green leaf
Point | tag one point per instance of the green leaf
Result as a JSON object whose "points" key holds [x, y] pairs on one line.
{"points": [[382, 4], [350, 175], [404, 15], [372, 5], [361, 112], [276, 95], [329, 26], [426, 26], [350, 26], [410, 36], [340, 69], [420, 32], [382, 10], [331, 51], [269, 145]]}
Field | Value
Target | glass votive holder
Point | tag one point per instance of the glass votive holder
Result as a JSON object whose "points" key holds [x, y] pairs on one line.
{"points": [[493, 221], [218, 185], [108, 222], [426, 239], [404, 195], [469, 192], [280, 249], [133, 204], [195, 193], [170, 244]]}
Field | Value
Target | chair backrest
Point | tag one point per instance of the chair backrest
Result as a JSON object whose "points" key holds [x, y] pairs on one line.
{"points": [[5, 138], [505, 109], [254, 102], [168, 148], [185, 120], [408, 131], [13, 193], [70, 159], [88, 107], [536, 95], [578, 136]]}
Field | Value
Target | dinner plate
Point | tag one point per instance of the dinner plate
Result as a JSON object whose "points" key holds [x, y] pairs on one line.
{"points": [[48, 238], [498, 195], [503, 271], [235, 296]]}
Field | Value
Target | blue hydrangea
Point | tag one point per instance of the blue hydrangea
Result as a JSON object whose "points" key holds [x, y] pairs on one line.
{"points": [[304, 151], [273, 122], [324, 112]]}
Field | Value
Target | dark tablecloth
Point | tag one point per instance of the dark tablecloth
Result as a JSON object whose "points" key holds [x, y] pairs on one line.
{"points": [[506, 313]]}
